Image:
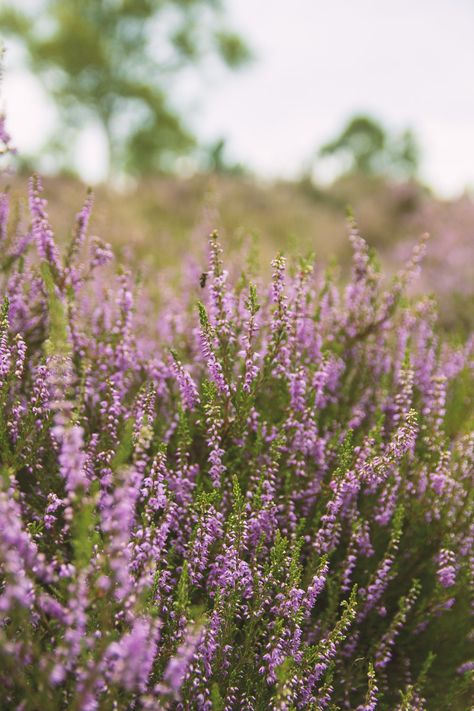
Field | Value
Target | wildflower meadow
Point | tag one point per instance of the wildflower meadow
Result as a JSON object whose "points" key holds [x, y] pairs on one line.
{"points": [[231, 491]]}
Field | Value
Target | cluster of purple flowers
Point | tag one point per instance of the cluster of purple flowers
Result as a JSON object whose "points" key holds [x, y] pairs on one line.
{"points": [[244, 496]]}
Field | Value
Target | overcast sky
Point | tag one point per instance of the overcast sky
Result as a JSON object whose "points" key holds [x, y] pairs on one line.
{"points": [[408, 62]]}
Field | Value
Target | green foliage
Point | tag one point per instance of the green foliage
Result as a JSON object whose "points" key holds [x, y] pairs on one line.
{"points": [[84, 533], [217, 161], [58, 335], [125, 446], [364, 146]]}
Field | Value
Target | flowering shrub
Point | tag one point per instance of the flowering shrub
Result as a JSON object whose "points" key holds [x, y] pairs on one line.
{"points": [[245, 497]]}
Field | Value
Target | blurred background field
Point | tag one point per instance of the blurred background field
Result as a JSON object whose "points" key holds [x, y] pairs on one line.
{"points": [[162, 221], [268, 125]]}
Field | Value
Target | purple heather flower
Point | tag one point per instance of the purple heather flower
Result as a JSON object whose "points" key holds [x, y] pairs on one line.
{"points": [[42, 231], [72, 458], [177, 667], [129, 661], [446, 568], [187, 387]]}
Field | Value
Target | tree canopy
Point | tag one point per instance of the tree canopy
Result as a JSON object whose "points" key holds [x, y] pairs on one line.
{"points": [[115, 63], [364, 146]]}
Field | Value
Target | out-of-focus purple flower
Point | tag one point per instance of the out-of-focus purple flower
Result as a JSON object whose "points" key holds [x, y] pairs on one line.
{"points": [[129, 661], [72, 458], [177, 667]]}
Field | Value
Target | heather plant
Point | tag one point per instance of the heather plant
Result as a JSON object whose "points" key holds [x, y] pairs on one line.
{"points": [[249, 495]]}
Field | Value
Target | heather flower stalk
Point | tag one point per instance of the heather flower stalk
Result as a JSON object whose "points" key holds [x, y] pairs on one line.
{"points": [[220, 297], [214, 423], [129, 661], [383, 653], [371, 699], [41, 228], [4, 214], [250, 356], [278, 348], [384, 572], [215, 369], [17, 554], [80, 230], [71, 459], [187, 387], [446, 568], [208, 532]]}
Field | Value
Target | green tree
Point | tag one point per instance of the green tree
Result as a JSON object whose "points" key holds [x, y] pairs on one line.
{"points": [[364, 147], [114, 62], [216, 160]]}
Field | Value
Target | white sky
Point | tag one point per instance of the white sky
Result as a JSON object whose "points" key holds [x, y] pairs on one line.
{"points": [[408, 62]]}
